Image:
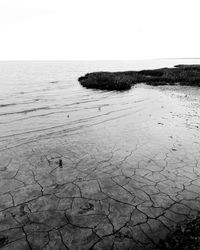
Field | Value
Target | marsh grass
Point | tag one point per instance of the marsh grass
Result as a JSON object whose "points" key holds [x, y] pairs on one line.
{"points": [[180, 74]]}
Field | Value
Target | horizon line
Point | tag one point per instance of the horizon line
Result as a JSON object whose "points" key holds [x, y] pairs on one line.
{"points": [[68, 60]]}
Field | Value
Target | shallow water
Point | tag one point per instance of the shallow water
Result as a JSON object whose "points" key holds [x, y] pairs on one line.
{"points": [[129, 166], [41, 98]]}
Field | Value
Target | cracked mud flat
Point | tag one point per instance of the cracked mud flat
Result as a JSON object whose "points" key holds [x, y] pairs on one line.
{"points": [[130, 169]]}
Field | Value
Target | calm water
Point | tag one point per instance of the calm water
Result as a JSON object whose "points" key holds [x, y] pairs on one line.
{"points": [[39, 99]]}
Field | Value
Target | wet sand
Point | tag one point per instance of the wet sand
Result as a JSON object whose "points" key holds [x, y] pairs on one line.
{"points": [[129, 173]]}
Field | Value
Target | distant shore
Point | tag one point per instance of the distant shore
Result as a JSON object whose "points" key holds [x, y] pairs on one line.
{"points": [[178, 75]]}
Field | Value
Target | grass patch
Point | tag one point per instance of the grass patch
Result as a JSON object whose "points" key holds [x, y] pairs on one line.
{"points": [[180, 74]]}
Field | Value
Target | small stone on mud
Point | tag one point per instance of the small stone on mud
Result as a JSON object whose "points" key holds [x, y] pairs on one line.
{"points": [[22, 211], [86, 207], [60, 163]]}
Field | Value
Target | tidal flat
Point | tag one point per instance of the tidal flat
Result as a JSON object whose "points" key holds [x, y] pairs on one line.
{"points": [[91, 169]]}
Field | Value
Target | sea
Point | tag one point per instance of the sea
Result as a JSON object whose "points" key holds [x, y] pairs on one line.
{"points": [[40, 99]]}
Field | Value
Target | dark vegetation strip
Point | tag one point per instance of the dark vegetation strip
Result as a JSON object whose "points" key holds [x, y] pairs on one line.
{"points": [[179, 74]]}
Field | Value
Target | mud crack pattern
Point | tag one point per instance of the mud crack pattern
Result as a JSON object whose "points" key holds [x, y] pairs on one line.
{"points": [[123, 187]]}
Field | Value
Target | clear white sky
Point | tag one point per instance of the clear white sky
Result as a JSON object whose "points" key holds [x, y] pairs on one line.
{"points": [[99, 29]]}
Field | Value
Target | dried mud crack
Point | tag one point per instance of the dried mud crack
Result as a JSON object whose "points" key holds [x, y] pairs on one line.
{"points": [[104, 188]]}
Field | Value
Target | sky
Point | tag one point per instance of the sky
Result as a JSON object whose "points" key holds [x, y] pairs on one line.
{"points": [[99, 29]]}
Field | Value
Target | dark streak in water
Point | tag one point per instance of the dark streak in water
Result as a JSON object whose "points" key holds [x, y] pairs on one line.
{"points": [[53, 82], [77, 121], [73, 129], [6, 105], [24, 111]]}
